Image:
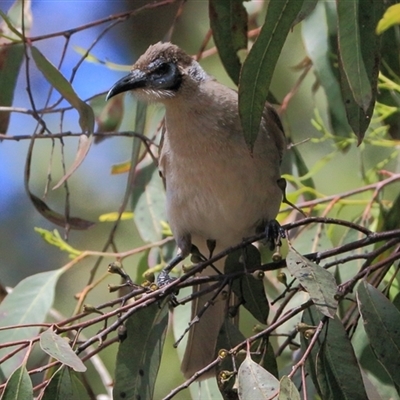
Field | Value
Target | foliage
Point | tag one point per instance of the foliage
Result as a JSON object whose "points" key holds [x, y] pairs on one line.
{"points": [[329, 330]]}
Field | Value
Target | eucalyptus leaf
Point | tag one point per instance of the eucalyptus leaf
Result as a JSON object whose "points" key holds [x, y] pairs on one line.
{"points": [[249, 290], [139, 355], [254, 382], [28, 303], [259, 65], [58, 348], [319, 283], [381, 323], [19, 386]]}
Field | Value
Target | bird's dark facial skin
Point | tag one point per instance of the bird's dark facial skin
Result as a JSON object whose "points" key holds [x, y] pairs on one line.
{"points": [[160, 75], [164, 75]]}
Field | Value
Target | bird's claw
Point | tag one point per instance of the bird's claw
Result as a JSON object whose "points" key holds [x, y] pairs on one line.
{"points": [[274, 233]]}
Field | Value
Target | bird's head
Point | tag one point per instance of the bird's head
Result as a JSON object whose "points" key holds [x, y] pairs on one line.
{"points": [[159, 74]]}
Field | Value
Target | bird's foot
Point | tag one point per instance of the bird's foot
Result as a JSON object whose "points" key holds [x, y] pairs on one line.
{"points": [[274, 233]]}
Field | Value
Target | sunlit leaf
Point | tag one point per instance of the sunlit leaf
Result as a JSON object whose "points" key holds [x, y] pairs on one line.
{"points": [[28, 303], [113, 216], [254, 382], [381, 323], [54, 238], [19, 386], [260, 64], [228, 21], [57, 347], [139, 355], [92, 58], [389, 19], [319, 283], [58, 81], [121, 168]]}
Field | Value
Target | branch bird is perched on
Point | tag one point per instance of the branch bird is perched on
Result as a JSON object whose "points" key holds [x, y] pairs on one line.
{"points": [[217, 190]]}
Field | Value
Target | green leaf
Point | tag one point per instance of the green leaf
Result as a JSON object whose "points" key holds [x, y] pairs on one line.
{"points": [[229, 336], [306, 9], [228, 21], [332, 363], [389, 19], [58, 81], [57, 347], [19, 386], [315, 32], [381, 323], [64, 386], [260, 64], [148, 202], [28, 303], [358, 117], [247, 288], [319, 283], [254, 382], [139, 355], [350, 51], [287, 390]]}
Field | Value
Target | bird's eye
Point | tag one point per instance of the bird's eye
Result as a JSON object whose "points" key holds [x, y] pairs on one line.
{"points": [[162, 69]]}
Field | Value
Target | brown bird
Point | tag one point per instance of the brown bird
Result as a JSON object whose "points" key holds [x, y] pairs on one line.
{"points": [[217, 190]]}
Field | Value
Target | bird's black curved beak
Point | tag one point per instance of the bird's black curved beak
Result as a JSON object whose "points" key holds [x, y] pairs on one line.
{"points": [[134, 80]]}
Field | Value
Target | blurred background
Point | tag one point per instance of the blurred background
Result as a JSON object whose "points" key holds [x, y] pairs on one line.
{"points": [[94, 191]]}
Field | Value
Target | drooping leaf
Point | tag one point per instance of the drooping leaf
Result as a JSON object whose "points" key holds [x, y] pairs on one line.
{"points": [[260, 64], [84, 144], [139, 355], [319, 283], [19, 385], [381, 323], [229, 336], [288, 390], [11, 56], [57, 218], [390, 18], [368, 46], [57, 347], [351, 58], [228, 21], [332, 363], [316, 38], [254, 382], [60, 386], [148, 202], [58, 81], [306, 9], [248, 289], [29, 302]]}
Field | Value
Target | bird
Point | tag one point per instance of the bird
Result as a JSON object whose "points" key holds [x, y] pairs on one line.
{"points": [[218, 192]]}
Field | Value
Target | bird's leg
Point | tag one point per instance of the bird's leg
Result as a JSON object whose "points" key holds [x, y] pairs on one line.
{"points": [[164, 278], [185, 245], [274, 233]]}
